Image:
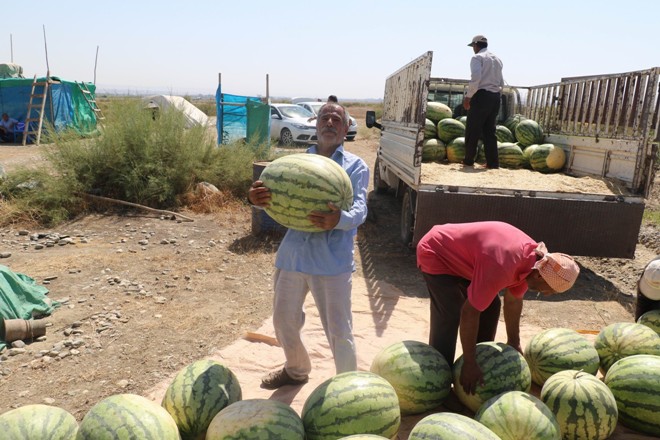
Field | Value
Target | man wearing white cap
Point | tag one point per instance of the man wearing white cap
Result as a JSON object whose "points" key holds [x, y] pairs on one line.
{"points": [[648, 289], [482, 102], [465, 266]]}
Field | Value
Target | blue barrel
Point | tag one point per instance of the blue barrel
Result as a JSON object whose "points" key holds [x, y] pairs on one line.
{"points": [[262, 223]]}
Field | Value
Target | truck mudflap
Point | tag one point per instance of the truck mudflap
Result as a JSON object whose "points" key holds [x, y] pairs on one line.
{"points": [[581, 227]]}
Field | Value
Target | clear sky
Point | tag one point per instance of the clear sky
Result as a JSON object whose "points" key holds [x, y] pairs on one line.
{"points": [[314, 49]]}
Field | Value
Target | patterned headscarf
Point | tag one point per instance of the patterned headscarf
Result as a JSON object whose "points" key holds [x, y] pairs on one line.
{"points": [[558, 270]]}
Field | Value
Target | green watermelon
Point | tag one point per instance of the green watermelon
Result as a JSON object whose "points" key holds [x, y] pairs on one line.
{"points": [[256, 419], [127, 416], [446, 425], [651, 319], [583, 405], [529, 132], [503, 134], [456, 150], [198, 392], [419, 374], [42, 422], [547, 158], [430, 129], [364, 437], [559, 349], [462, 119], [449, 129], [503, 368], [481, 152], [433, 150], [635, 384], [515, 415], [527, 153], [512, 121], [437, 111], [302, 183], [622, 339], [510, 155], [355, 402]]}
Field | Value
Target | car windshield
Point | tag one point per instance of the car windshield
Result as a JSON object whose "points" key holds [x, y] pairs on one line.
{"points": [[295, 111], [316, 106]]}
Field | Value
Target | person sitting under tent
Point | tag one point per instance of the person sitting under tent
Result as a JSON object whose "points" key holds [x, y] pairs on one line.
{"points": [[7, 128]]}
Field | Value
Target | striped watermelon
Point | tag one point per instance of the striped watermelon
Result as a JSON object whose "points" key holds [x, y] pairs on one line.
{"points": [[256, 419], [456, 150], [635, 384], [302, 183], [449, 129], [127, 416], [529, 132], [481, 152], [622, 339], [547, 158], [43, 422], [515, 415], [462, 119], [364, 437], [436, 111], [448, 425], [355, 402], [559, 349], [430, 129], [433, 150], [651, 319], [583, 405], [503, 368], [198, 392], [527, 153], [503, 134], [510, 155], [418, 372], [512, 121]]}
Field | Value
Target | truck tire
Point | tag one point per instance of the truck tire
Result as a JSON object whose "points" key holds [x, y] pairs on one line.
{"points": [[408, 205], [379, 186]]}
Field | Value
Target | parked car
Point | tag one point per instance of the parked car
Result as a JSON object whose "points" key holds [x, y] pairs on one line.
{"points": [[315, 106], [290, 124]]}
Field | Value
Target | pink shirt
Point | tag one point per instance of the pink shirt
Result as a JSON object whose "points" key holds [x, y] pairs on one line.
{"points": [[492, 255]]}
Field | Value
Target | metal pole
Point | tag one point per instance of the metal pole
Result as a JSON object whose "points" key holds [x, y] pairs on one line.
{"points": [[267, 90], [96, 60], [11, 47], [46, 47]]}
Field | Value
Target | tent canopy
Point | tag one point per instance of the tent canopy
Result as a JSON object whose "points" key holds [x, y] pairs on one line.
{"points": [[194, 116]]}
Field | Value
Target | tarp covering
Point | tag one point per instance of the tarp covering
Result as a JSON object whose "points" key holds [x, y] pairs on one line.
{"points": [[233, 114], [193, 114], [22, 298], [10, 70], [65, 107]]}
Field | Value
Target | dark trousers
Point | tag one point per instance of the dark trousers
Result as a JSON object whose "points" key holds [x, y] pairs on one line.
{"points": [[644, 305], [448, 294], [481, 120]]}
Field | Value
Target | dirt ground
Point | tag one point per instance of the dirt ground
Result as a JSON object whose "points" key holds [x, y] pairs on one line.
{"points": [[143, 296]]}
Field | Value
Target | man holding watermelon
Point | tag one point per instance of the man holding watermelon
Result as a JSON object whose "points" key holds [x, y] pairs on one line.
{"points": [[482, 102], [466, 266], [320, 262]]}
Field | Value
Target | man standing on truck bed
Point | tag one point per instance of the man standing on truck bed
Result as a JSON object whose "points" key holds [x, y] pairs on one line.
{"points": [[465, 266], [482, 101]]}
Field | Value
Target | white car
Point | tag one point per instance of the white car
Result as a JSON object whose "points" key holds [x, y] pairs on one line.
{"points": [[315, 106], [291, 124]]}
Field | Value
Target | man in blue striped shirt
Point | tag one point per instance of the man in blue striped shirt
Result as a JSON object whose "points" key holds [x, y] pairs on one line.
{"points": [[320, 262]]}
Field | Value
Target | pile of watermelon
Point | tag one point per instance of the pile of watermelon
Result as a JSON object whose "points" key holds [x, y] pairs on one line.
{"points": [[204, 400], [518, 142]]}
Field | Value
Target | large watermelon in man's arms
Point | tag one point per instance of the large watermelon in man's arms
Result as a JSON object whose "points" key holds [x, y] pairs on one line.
{"points": [[37, 421], [503, 368], [302, 183], [583, 405], [437, 111]]}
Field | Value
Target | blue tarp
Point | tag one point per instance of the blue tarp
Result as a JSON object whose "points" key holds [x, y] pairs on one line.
{"points": [[65, 106], [233, 113]]}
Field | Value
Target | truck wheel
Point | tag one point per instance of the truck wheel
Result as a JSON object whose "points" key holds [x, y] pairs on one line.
{"points": [[379, 186], [408, 216]]}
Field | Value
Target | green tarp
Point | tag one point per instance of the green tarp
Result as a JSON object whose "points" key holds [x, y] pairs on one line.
{"points": [[22, 298]]}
